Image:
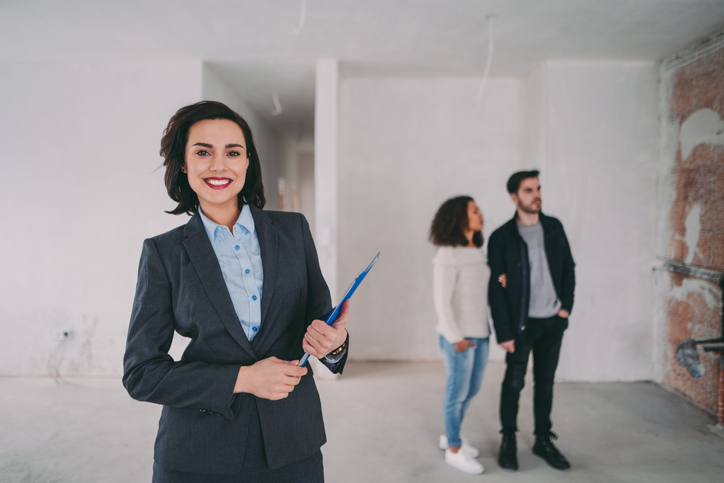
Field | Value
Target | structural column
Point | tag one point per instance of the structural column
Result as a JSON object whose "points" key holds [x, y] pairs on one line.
{"points": [[325, 168]]}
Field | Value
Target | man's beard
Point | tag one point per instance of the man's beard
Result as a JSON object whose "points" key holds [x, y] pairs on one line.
{"points": [[530, 209]]}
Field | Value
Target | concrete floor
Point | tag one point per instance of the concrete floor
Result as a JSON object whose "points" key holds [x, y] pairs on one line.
{"points": [[383, 422]]}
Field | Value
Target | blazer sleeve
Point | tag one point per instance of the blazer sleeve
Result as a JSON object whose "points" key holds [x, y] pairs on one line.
{"points": [[496, 293], [319, 302], [149, 372]]}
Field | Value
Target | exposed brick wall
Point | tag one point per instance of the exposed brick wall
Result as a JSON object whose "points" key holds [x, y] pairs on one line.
{"points": [[691, 316], [693, 306]]}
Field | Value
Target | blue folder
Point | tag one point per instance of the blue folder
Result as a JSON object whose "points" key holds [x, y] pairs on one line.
{"points": [[347, 295]]}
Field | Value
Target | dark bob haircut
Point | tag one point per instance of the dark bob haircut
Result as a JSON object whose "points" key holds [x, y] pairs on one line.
{"points": [[173, 149], [450, 222], [516, 178]]}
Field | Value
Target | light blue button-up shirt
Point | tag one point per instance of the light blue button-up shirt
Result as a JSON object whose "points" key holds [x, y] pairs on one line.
{"points": [[240, 260]]}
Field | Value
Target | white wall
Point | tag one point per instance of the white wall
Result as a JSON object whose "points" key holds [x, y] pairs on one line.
{"points": [[81, 190], [405, 146], [595, 140]]}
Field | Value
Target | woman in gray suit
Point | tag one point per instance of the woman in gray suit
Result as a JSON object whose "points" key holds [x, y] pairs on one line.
{"points": [[245, 286]]}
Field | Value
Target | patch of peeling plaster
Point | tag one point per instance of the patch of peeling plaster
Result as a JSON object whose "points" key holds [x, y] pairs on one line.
{"points": [[703, 126], [693, 285], [693, 229]]}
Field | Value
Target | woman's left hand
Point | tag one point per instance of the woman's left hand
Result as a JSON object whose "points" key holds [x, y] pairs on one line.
{"points": [[321, 339], [503, 279]]}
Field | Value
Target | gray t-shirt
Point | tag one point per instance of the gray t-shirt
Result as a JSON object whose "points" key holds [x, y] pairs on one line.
{"points": [[543, 300]]}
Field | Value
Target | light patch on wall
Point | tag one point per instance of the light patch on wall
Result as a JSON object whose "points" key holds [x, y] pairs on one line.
{"points": [[691, 286], [693, 229], [703, 126]]}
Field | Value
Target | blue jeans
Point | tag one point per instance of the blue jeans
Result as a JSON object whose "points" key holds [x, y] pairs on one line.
{"points": [[464, 372]]}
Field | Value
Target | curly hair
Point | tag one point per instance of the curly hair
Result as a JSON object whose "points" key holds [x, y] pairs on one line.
{"points": [[173, 148], [450, 222]]}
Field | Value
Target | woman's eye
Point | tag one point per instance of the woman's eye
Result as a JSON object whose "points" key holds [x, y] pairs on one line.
{"points": [[202, 152], [234, 153]]}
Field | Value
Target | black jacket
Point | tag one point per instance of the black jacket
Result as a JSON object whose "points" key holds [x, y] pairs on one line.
{"points": [[203, 425], [508, 254]]}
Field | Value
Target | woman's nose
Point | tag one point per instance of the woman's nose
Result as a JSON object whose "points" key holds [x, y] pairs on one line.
{"points": [[217, 163]]}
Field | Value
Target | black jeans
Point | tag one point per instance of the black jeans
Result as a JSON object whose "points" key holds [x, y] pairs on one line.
{"points": [[543, 337]]}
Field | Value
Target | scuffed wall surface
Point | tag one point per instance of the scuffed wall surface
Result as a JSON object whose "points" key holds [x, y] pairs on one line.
{"points": [[593, 133], [81, 190], [405, 146], [691, 232]]}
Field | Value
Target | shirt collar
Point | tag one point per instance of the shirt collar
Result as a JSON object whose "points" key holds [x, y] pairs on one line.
{"points": [[245, 220]]}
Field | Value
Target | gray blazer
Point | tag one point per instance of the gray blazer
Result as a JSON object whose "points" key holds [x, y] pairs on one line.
{"points": [[203, 425]]}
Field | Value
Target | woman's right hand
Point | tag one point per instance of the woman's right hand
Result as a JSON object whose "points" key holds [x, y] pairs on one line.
{"points": [[463, 345], [270, 378]]}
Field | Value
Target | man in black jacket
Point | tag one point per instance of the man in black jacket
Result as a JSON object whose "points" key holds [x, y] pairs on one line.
{"points": [[530, 311]]}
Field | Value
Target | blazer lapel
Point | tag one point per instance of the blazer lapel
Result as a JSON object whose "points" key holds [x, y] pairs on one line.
{"points": [[199, 249], [268, 237]]}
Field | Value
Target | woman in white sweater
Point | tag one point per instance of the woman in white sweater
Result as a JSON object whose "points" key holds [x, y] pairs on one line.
{"points": [[460, 287]]}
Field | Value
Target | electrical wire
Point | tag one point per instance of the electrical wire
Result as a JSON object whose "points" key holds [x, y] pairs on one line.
{"points": [[55, 361], [488, 63], [277, 105], [302, 17]]}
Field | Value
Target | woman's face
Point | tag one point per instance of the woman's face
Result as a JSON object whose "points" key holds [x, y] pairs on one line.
{"points": [[475, 217], [216, 163]]}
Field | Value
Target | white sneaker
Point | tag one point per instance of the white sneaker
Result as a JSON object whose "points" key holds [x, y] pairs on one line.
{"points": [[462, 461], [471, 450]]}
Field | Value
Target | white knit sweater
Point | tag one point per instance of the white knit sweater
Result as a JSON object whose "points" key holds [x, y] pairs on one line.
{"points": [[460, 292]]}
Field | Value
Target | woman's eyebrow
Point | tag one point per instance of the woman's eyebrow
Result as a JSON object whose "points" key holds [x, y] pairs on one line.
{"points": [[206, 145]]}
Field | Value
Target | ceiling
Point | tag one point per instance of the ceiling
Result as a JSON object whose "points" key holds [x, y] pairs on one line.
{"points": [[256, 45]]}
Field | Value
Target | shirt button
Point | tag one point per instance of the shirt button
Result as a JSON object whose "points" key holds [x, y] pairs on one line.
{"points": [[236, 247], [247, 271], [254, 329], [253, 297]]}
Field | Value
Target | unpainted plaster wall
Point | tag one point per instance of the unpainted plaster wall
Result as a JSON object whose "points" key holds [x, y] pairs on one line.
{"points": [[406, 145], [82, 188], [594, 137]]}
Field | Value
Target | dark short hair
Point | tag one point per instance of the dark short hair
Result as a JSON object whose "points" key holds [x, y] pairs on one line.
{"points": [[173, 149], [517, 178], [450, 222]]}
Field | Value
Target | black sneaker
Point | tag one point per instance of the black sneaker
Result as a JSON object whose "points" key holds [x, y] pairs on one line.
{"points": [[545, 448], [508, 459]]}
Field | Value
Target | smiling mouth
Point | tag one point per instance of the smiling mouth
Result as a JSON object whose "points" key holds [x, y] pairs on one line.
{"points": [[217, 183]]}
